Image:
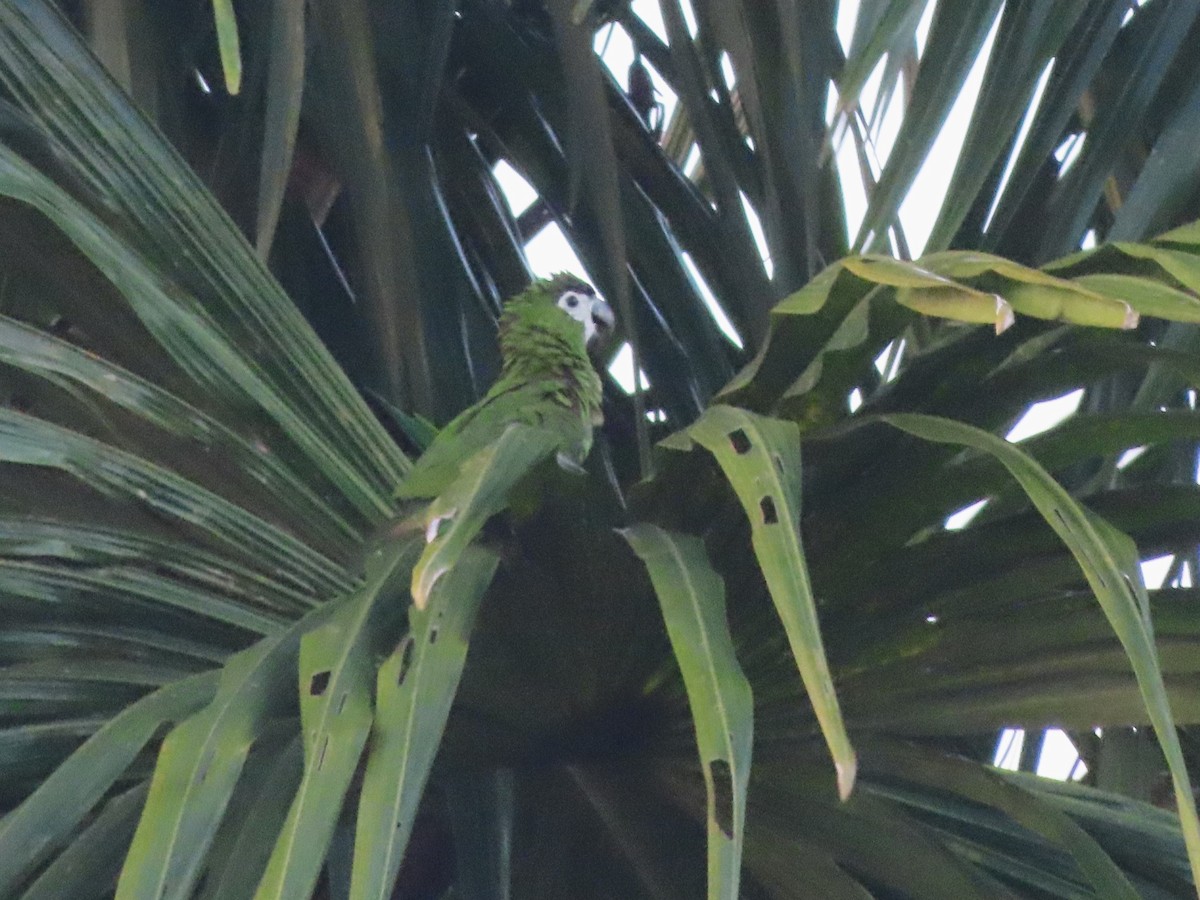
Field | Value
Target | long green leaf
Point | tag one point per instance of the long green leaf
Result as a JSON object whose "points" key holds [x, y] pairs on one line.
{"points": [[955, 40], [479, 492], [285, 87], [1158, 196], [1158, 260], [1128, 830], [127, 163], [825, 337], [32, 442], [887, 846], [243, 846], [128, 592], [692, 597], [200, 762], [720, 145], [47, 816], [592, 164], [1108, 561], [335, 715], [1146, 65], [228, 44], [86, 375], [1033, 292], [761, 459], [414, 691], [1027, 40], [186, 330], [352, 111], [933, 294], [88, 868], [1074, 72], [983, 785], [66, 543], [882, 27]]}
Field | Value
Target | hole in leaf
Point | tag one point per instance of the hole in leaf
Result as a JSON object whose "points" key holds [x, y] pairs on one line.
{"points": [[778, 460], [318, 683], [405, 659], [722, 787], [769, 515], [739, 441], [342, 702], [321, 754], [204, 767], [433, 634]]}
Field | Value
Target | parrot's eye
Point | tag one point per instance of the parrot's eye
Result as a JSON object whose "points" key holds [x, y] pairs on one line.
{"points": [[582, 305], [573, 303]]}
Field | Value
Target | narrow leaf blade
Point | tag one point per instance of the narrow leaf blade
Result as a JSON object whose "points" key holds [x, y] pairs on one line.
{"points": [[228, 44], [760, 457], [479, 492], [335, 714], [1108, 561], [199, 765], [692, 596], [48, 816], [414, 691]]}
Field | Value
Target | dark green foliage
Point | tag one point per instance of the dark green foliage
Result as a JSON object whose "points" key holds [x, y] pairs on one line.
{"points": [[206, 645]]}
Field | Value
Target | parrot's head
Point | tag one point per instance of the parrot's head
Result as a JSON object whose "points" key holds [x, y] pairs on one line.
{"points": [[563, 305], [578, 300]]}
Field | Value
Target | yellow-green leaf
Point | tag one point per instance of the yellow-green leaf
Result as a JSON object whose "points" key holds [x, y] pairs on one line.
{"points": [[1148, 297], [199, 765], [228, 44], [1032, 292], [760, 457], [336, 673], [414, 690], [478, 493]]}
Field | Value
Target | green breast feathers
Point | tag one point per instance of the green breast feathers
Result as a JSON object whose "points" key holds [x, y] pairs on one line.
{"points": [[546, 380]]}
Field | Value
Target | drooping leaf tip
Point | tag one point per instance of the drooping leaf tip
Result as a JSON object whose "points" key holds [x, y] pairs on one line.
{"points": [[1004, 315], [423, 580], [847, 773]]}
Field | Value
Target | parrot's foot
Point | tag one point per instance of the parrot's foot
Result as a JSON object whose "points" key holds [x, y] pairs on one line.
{"points": [[569, 465]]}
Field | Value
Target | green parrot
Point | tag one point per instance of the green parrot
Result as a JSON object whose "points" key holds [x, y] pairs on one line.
{"points": [[546, 380]]}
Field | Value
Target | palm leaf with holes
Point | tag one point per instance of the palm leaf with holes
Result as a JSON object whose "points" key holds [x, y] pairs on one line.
{"points": [[230, 312]]}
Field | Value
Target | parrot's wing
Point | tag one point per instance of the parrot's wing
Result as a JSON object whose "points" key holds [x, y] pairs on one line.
{"points": [[543, 404]]}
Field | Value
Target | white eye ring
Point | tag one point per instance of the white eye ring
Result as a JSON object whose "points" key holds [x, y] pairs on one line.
{"points": [[578, 306]]}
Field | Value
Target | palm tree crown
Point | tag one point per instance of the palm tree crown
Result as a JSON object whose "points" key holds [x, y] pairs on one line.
{"points": [[253, 254]]}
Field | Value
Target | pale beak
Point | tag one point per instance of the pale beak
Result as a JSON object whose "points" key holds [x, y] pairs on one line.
{"points": [[603, 320]]}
